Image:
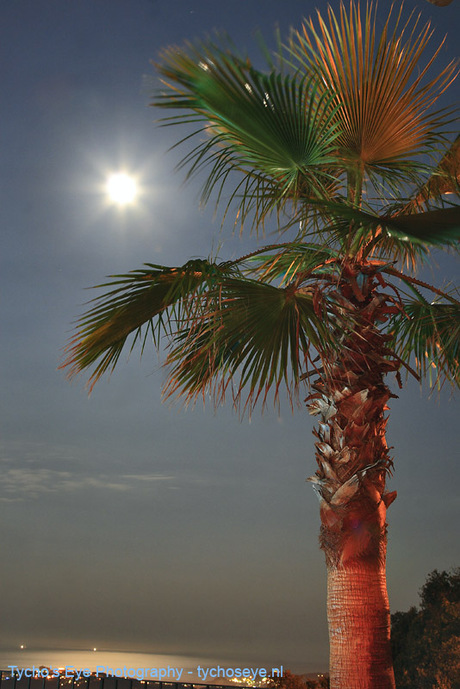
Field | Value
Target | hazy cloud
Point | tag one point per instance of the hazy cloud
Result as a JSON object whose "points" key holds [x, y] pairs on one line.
{"points": [[31, 480]]}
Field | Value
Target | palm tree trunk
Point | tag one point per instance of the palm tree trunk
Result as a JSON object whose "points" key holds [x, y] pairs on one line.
{"points": [[359, 627], [353, 462]]}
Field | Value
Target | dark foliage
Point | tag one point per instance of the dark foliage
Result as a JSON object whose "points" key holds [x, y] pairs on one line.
{"points": [[426, 641]]}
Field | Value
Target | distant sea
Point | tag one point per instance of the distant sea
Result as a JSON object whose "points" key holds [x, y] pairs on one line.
{"points": [[130, 663]]}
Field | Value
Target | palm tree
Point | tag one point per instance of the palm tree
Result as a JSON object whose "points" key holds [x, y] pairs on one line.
{"points": [[339, 143]]}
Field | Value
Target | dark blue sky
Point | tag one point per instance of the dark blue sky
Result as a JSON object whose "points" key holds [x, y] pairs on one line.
{"points": [[126, 523]]}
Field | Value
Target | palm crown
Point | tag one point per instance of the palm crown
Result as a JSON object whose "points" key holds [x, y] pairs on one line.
{"points": [[338, 140]]}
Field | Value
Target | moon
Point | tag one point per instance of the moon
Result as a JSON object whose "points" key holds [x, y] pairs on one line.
{"points": [[121, 188]]}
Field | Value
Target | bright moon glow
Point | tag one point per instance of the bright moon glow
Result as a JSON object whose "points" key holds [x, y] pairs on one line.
{"points": [[121, 188]]}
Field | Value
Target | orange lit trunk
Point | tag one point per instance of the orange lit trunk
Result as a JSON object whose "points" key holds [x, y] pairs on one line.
{"points": [[359, 628], [350, 397]]}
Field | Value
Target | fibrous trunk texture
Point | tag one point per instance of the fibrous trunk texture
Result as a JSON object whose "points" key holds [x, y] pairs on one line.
{"points": [[353, 462], [359, 617]]}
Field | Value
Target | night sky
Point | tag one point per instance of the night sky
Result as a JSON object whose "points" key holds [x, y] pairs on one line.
{"points": [[125, 522]]}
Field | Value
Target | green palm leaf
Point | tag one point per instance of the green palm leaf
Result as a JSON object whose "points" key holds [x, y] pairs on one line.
{"points": [[274, 129], [445, 179], [397, 235], [292, 262], [437, 227], [253, 335], [431, 334], [152, 300]]}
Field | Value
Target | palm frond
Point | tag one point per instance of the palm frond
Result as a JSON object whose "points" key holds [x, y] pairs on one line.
{"points": [[415, 285], [429, 332], [437, 227], [445, 179], [253, 335], [154, 300], [275, 129], [292, 262], [355, 227], [382, 98]]}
